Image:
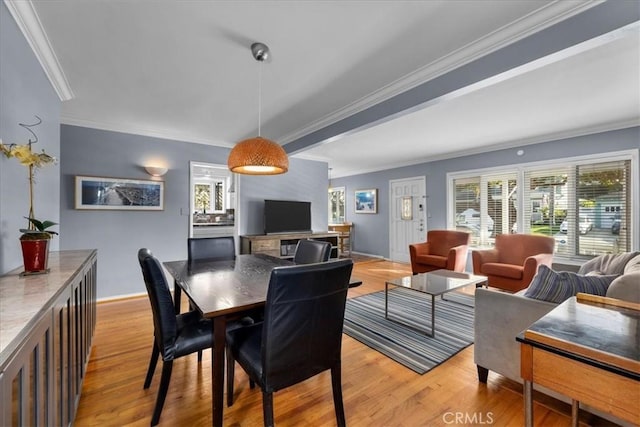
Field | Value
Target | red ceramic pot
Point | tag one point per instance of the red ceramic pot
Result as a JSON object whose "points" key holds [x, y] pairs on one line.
{"points": [[35, 254]]}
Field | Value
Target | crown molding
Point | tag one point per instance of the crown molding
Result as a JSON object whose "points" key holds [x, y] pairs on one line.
{"points": [[518, 143], [29, 23], [133, 130], [536, 21]]}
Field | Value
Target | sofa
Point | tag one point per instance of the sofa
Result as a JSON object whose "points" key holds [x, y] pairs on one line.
{"points": [[501, 316]]}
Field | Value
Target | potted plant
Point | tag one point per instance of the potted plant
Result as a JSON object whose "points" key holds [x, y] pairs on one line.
{"points": [[35, 245], [35, 238]]}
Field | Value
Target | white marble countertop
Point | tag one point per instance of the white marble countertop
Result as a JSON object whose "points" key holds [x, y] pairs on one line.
{"points": [[23, 300]]}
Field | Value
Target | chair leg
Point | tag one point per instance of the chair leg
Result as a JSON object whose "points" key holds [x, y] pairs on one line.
{"points": [[230, 374], [162, 391], [267, 409], [336, 384], [152, 365]]}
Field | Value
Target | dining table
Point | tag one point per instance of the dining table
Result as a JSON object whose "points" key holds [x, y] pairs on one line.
{"points": [[224, 291]]}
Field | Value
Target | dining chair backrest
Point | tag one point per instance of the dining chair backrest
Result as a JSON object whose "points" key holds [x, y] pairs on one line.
{"points": [[303, 320], [164, 316], [309, 251], [211, 248]]}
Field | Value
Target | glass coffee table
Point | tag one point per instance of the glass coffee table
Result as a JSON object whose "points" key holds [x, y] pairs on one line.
{"points": [[434, 283]]}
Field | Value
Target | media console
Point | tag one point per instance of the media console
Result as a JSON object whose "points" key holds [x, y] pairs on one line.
{"points": [[284, 245]]}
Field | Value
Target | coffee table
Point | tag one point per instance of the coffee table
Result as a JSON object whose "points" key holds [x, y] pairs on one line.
{"points": [[434, 283]]}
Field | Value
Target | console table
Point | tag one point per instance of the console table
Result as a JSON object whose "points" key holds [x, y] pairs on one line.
{"points": [[587, 348], [47, 323], [283, 245]]}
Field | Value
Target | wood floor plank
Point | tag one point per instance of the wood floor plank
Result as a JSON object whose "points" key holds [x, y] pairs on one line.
{"points": [[377, 391]]}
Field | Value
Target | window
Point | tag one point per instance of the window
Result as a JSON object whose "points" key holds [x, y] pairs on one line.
{"points": [[336, 205], [484, 206], [584, 204], [210, 190]]}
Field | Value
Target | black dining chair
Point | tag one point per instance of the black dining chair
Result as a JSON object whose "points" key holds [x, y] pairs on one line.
{"points": [[206, 249], [211, 248], [309, 251], [175, 335], [301, 335]]}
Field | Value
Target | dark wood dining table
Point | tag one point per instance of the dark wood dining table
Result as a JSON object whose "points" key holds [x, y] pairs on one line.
{"points": [[223, 291]]}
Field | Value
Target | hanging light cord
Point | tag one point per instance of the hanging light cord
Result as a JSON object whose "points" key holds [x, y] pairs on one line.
{"points": [[259, 96]]}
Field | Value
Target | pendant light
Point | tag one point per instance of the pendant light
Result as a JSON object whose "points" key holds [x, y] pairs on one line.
{"points": [[258, 155]]}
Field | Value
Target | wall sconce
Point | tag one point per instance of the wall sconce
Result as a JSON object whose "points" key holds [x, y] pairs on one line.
{"points": [[155, 170]]}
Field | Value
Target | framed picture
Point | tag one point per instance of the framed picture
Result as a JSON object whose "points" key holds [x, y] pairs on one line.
{"points": [[119, 194], [367, 201]]}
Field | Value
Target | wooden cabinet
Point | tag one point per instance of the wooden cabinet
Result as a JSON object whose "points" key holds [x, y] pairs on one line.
{"points": [[48, 322], [284, 245]]}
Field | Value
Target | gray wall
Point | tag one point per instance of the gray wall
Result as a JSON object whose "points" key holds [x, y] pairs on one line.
{"points": [[119, 234], [305, 181], [25, 91], [372, 231]]}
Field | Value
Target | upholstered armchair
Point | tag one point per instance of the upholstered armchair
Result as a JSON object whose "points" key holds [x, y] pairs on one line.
{"points": [[514, 260], [444, 249]]}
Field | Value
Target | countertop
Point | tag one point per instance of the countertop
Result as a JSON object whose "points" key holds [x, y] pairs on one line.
{"points": [[24, 300]]}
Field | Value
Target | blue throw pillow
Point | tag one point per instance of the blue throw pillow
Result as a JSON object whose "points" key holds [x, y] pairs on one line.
{"points": [[557, 286]]}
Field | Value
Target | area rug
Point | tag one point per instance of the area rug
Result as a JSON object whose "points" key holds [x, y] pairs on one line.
{"points": [[364, 321]]}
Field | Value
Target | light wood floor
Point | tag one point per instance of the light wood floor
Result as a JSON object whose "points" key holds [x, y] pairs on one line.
{"points": [[377, 391]]}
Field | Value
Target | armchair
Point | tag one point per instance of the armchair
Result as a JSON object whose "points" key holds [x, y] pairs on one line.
{"points": [[443, 249], [514, 260]]}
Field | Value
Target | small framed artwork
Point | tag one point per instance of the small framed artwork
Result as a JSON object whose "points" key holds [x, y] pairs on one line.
{"points": [[119, 194], [367, 201]]}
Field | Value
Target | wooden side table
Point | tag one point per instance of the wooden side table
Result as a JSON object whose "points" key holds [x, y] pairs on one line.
{"points": [[587, 348], [344, 236]]}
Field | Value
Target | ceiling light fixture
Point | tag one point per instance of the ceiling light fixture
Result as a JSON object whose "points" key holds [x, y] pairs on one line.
{"points": [[258, 155]]}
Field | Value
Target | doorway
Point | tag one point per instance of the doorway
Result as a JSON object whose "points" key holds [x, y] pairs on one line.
{"points": [[212, 200], [408, 221]]}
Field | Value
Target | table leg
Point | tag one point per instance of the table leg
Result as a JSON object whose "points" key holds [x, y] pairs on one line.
{"points": [[575, 412], [177, 294], [386, 300], [433, 315], [528, 403], [217, 369]]}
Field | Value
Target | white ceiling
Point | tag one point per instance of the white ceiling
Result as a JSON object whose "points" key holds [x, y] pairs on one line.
{"points": [[183, 70]]}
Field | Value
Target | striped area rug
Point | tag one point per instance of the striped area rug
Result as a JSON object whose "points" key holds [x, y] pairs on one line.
{"points": [[364, 321]]}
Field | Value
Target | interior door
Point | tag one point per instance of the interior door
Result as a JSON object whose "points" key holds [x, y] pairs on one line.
{"points": [[408, 216]]}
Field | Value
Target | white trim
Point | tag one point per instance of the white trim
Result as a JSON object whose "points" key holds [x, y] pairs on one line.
{"points": [[534, 22], [121, 297], [29, 23]]}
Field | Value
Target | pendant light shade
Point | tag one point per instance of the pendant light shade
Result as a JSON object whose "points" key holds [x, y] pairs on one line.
{"points": [[258, 156]]}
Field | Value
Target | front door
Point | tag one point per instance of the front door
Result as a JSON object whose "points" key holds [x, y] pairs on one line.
{"points": [[408, 221]]}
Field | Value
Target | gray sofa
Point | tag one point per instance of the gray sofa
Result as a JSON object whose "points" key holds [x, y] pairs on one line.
{"points": [[500, 316]]}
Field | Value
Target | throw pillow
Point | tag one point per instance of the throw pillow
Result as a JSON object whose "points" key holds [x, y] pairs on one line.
{"points": [[608, 264], [554, 286]]}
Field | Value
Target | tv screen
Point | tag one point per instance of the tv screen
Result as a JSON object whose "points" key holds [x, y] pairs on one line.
{"points": [[283, 216]]}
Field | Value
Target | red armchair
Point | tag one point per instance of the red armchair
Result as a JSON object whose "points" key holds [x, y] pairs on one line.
{"points": [[514, 260], [443, 249]]}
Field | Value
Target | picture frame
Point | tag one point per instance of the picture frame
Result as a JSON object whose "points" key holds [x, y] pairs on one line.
{"points": [[103, 193], [366, 201]]}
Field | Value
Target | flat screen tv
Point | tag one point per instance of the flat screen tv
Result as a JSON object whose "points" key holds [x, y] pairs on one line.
{"points": [[285, 216]]}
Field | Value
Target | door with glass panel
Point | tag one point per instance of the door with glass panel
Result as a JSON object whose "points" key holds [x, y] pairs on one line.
{"points": [[407, 216]]}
